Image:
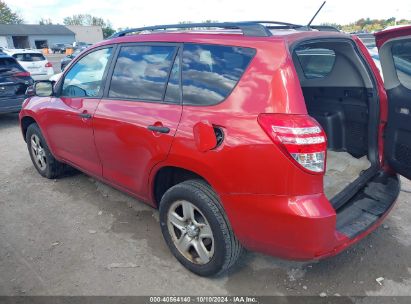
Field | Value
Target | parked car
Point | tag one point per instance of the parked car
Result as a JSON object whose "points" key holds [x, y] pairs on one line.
{"points": [[14, 81], [34, 62], [81, 45], [60, 48], [66, 60], [228, 132]]}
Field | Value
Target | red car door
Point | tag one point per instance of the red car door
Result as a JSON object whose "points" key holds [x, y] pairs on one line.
{"points": [[394, 47], [136, 120], [70, 120]]}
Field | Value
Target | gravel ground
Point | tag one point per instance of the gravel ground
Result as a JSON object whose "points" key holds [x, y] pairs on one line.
{"points": [[77, 236]]}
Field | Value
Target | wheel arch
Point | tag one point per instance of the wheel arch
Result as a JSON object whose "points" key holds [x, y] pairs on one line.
{"points": [[25, 122], [166, 176]]}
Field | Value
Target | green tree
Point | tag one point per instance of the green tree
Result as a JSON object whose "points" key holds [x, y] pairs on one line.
{"points": [[87, 19], [7, 16], [44, 21]]}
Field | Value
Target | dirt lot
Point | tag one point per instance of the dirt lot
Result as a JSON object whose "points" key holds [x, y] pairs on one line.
{"points": [[76, 236]]}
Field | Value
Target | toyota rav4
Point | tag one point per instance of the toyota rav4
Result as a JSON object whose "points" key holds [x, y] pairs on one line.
{"points": [[269, 136]]}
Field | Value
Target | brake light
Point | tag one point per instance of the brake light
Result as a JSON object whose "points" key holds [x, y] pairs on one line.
{"points": [[48, 65], [300, 137], [21, 74]]}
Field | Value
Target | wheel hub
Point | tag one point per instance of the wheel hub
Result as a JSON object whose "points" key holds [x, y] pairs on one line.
{"points": [[192, 230]]}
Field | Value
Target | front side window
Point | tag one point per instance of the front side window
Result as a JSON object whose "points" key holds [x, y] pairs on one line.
{"points": [[401, 52], [210, 72], [85, 77], [141, 72], [316, 62]]}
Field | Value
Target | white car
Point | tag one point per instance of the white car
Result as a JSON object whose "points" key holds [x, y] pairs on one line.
{"points": [[32, 61]]}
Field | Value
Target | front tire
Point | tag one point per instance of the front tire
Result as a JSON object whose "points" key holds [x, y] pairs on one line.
{"points": [[196, 229], [40, 154]]}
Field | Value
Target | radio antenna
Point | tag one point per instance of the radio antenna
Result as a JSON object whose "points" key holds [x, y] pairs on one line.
{"points": [[312, 19]]}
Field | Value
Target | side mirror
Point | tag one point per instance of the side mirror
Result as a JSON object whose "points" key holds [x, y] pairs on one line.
{"points": [[43, 88]]}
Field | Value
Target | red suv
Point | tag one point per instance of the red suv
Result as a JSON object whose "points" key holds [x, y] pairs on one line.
{"points": [[268, 136]]}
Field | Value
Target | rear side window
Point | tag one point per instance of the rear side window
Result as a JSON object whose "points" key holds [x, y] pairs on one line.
{"points": [[210, 72], [315, 62], [29, 57], [141, 72], [401, 52]]}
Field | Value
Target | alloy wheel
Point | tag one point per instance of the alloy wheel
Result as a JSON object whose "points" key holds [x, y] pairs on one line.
{"points": [[190, 232], [38, 152]]}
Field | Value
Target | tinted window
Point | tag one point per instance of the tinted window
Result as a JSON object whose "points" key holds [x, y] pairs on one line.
{"points": [[173, 86], [29, 57], [210, 72], [85, 77], [401, 52], [141, 72], [316, 62], [9, 65]]}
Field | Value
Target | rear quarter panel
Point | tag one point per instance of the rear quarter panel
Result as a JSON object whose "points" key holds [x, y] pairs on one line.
{"points": [[248, 161]]}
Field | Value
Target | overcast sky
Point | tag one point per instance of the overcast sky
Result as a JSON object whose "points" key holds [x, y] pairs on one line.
{"points": [[134, 13]]}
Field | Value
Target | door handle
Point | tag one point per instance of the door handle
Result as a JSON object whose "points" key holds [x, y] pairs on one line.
{"points": [[85, 115], [159, 129]]}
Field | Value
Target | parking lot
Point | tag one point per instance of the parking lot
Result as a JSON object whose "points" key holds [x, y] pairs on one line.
{"points": [[55, 59], [77, 236]]}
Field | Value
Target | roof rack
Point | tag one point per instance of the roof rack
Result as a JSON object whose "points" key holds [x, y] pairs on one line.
{"points": [[249, 28], [254, 29], [277, 24]]}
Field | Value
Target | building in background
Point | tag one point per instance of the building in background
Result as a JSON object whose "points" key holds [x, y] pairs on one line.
{"points": [[89, 34], [22, 36]]}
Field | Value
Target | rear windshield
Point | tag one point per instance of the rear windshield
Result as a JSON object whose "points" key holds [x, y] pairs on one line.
{"points": [[316, 62], [29, 57], [210, 72], [9, 65]]}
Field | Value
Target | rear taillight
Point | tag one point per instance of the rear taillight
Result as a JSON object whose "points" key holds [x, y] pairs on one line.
{"points": [[300, 137], [48, 65], [21, 74]]}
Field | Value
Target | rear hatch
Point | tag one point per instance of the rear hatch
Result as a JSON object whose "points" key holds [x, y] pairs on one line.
{"points": [[34, 63], [14, 80]]}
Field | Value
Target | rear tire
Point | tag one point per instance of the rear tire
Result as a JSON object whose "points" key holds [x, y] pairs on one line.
{"points": [[40, 154], [204, 243]]}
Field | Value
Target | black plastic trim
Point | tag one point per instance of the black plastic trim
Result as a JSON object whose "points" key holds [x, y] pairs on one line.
{"points": [[368, 205]]}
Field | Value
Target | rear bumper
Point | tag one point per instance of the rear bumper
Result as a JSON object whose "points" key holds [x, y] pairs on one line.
{"points": [[296, 228]]}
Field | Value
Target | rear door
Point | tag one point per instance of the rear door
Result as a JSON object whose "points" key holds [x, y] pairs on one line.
{"points": [[394, 47], [135, 122]]}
